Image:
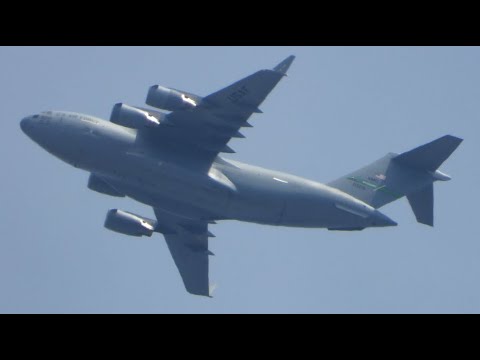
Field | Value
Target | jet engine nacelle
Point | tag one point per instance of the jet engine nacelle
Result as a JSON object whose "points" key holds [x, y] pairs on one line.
{"points": [[170, 99], [134, 118], [129, 224]]}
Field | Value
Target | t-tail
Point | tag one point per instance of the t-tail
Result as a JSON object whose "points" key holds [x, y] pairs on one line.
{"points": [[410, 174]]}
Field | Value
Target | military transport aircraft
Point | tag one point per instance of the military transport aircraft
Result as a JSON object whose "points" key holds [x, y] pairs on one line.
{"points": [[170, 161]]}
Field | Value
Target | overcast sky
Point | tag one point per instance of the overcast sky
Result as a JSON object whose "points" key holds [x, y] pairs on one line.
{"points": [[339, 109]]}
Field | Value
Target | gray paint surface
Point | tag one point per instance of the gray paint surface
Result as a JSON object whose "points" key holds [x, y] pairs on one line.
{"points": [[170, 161], [401, 148]]}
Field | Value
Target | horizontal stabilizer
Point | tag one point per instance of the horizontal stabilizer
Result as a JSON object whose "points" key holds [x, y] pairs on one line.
{"points": [[430, 156]]}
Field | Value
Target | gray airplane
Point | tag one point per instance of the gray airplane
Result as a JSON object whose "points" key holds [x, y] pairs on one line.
{"points": [[170, 161]]}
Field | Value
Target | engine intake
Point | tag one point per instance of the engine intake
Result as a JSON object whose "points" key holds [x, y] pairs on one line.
{"points": [[129, 224], [134, 118], [170, 99]]}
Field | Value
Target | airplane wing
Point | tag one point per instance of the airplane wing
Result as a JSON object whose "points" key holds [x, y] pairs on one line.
{"points": [[204, 131], [187, 241], [196, 136]]}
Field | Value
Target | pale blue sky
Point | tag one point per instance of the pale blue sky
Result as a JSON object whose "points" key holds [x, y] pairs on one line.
{"points": [[339, 109]]}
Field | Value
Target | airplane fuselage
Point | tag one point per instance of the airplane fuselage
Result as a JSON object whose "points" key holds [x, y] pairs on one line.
{"points": [[228, 190], [170, 161]]}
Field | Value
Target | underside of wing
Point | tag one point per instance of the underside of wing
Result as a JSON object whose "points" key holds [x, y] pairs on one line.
{"points": [[187, 241], [191, 258], [202, 127]]}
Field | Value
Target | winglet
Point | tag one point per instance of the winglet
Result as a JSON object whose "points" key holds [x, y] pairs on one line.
{"points": [[283, 67]]}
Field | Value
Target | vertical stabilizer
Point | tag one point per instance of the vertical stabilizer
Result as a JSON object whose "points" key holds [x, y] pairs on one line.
{"points": [[410, 174], [421, 203]]}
